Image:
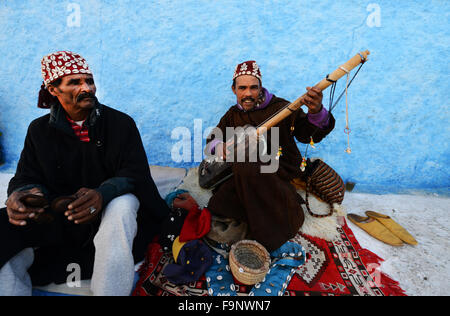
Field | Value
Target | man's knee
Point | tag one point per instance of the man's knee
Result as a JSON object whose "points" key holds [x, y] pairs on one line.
{"points": [[122, 206], [118, 218], [14, 278], [23, 260]]}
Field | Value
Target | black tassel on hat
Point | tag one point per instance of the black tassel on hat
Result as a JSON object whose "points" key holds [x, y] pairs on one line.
{"points": [[45, 99]]}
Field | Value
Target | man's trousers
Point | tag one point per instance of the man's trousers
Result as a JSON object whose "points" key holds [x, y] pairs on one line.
{"points": [[113, 271]]}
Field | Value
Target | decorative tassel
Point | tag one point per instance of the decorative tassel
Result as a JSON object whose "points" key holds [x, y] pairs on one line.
{"points": [[303, 164], [347, 131], [311, 143], [279, 154], [45, 99]]}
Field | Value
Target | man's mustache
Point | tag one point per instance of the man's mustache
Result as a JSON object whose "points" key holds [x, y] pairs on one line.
{"points": [[248, 99], [86, 95]]}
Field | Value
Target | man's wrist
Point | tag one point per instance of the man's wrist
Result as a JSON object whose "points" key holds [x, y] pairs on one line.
{"points": [[321, 108], [28, 187], [320, 118]]}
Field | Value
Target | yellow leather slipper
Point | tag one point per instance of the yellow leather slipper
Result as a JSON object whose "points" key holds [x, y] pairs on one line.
{"points": [[375, 229], [393, 226]]}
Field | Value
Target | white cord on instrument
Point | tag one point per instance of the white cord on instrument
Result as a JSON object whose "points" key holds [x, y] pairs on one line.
{"points": [[346, 129]]}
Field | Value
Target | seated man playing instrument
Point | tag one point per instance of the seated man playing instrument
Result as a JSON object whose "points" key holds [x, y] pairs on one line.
{"points": [[267, 202], [82, 195]]}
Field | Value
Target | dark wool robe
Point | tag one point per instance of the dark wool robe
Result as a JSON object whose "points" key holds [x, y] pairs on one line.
{"points": [[114, 162], [268, 202]]}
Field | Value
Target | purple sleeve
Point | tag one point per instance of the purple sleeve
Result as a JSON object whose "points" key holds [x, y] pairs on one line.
{"points": [[212, 146], [319, 119]]}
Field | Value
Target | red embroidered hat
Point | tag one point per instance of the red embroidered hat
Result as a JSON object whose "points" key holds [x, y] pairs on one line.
{"points": [[63, 63], [247, 68]]}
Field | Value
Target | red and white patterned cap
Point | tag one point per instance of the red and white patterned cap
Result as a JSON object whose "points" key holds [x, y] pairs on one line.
{"points": [[61, 64], [247, 68]]}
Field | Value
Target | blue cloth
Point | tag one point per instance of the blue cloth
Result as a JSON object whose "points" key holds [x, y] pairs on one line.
{"points": [[219, 278], [172, 195], [285, 260]]}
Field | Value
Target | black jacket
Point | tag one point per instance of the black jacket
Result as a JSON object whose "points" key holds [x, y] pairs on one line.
{"points": [[114, 162]]}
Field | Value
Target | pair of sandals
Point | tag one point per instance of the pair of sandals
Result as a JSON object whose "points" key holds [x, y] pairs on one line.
{"points": [[58, 206], [383, 228]]}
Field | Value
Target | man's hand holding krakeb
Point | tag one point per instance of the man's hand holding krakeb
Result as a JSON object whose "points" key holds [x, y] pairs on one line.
{"points": [[86, 207]]}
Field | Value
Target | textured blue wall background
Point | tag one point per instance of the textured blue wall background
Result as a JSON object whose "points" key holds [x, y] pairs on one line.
{"points": [[167, 63]]}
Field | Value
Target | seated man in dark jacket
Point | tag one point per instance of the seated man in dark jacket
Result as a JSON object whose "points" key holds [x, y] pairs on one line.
{"points": [[90, 159], [266, 201]]}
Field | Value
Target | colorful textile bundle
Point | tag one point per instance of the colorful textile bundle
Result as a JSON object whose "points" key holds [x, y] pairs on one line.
{"points": [[192, 260], [181, 232], [185, 232], [337, 268]]}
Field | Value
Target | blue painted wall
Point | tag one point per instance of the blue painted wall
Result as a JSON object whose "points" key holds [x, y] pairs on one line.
{"points": [[168, 63]]}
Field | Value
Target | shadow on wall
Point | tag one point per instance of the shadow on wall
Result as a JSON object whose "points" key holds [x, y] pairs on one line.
{"points": [[2, 155], [2, 161]]}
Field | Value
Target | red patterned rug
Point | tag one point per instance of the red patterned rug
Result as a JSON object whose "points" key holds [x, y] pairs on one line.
{"points": [[337, 268]]}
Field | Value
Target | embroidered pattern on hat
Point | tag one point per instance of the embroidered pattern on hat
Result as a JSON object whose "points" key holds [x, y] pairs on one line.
{"points": [[247, 68], [62, 63], [255, 70], [243, 67]]}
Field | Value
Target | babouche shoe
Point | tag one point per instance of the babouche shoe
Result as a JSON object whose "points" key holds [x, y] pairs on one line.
{"points": [[393, 226], [375, 229]]}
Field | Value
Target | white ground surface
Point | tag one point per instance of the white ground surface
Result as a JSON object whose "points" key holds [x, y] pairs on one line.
{"points": [[421, 270]]}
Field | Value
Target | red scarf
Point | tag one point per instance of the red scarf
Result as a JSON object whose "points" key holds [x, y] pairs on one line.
{"points": [[81, 131]]}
